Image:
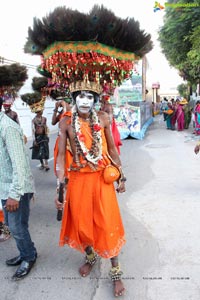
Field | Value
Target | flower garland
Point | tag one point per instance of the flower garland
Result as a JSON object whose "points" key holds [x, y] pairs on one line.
{"points": [[94, 154]]}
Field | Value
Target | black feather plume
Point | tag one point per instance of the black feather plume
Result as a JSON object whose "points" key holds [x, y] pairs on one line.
{"points": [[13, 75], [31, 98], [38, 84], [100, 25]]}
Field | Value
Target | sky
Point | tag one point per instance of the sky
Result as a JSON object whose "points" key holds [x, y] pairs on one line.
{"points": [[17, 17]]}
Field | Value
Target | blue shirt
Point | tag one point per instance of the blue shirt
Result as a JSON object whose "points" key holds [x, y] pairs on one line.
{"points": [[16, 177]]}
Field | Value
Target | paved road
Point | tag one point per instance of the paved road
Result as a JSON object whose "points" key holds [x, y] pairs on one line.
{"points": [[161, 216]]}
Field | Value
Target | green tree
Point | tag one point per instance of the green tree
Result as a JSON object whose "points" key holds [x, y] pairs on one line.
{"points": [[180, 38], [183, 90]]}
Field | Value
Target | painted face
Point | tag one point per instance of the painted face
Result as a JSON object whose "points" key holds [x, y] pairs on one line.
{"points": [[39, 113], [84, 102], [7, 107]]}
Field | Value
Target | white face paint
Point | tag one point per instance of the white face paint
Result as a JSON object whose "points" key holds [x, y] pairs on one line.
{"points": [[85, 102]]}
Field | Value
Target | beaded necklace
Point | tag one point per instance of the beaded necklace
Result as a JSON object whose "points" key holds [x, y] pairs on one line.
{"points": [[94, 154]]}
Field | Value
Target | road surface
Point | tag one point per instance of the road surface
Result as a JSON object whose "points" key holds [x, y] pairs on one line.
{"points": [[160, 210]]}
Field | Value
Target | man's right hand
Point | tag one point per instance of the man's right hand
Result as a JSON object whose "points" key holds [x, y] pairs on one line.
{"points": [[11, 205], [58, 204]]}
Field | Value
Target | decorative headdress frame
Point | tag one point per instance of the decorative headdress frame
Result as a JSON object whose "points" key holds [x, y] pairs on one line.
{"points": [[95, 51], [36, 100], [88, 65]]}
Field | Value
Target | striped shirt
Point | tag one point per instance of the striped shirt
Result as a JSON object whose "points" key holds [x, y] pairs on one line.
{"points": [[16, 177]]}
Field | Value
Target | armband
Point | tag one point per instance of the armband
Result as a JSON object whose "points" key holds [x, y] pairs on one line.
{"points": [[123, 179], [64, 182], [59, 184]]}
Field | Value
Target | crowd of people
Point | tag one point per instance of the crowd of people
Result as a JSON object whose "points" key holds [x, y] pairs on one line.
{"points": [[90, 176], [67, 165], [87, 164], [176, 113]]}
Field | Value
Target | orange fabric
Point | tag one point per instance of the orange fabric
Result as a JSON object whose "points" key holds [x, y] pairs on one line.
{"points": [[1, 216], [66, 114], [91, 215]]}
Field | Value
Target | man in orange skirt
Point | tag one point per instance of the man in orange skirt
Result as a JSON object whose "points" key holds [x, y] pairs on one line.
{"points": [[91, 220]]}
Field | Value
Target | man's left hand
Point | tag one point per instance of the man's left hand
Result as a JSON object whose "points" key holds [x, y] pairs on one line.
{"points": [[121, 187], [196, 149]]}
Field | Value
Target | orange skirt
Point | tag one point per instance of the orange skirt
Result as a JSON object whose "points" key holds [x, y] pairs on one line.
{"points": [[91, 215]]}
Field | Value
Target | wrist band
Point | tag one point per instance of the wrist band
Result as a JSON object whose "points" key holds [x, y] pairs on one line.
{"points": [[123, 179], [122, 176]]}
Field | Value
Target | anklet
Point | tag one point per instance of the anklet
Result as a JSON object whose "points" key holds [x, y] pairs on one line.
{"points": [[91, 258], [115, 273]]}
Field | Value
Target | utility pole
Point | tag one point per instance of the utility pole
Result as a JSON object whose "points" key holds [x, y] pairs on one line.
{"points": [[144, 69]]}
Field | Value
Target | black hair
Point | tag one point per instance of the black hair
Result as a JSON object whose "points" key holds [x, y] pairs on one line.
{"points": [[75, 94]]}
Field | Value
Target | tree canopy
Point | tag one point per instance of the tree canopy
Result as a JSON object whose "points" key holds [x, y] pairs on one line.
{"points": [[180, 38]]}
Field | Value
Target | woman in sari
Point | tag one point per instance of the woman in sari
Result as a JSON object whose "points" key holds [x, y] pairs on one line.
{"points": [[197, 118], [180, 116]]}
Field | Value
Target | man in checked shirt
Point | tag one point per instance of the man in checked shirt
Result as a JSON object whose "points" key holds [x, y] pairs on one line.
{"points": [[16, 192]]}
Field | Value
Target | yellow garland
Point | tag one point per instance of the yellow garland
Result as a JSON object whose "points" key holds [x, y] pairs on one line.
{"points": [[38, 106], [83, 47]]}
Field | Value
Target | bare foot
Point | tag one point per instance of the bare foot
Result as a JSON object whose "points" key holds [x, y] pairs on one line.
{"points": [[85, 269], [118, 288]]}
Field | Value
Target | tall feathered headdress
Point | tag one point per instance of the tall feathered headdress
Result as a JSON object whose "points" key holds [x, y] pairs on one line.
{"points": [[12, 78], [36, 99], [94, 51]]}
